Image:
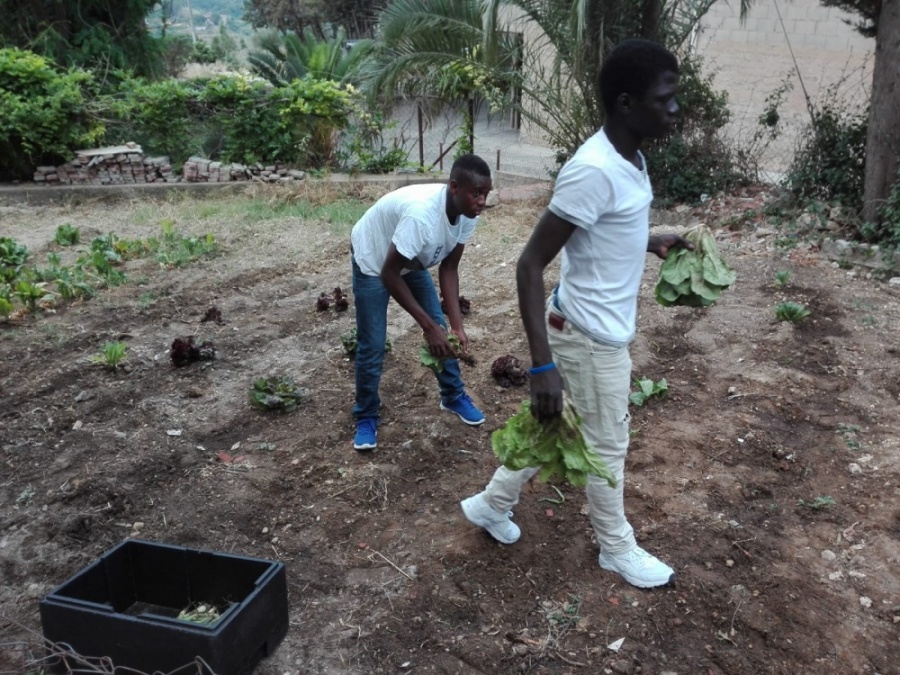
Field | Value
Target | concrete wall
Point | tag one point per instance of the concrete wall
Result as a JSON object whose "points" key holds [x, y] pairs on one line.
{"points": [[750, 59]]}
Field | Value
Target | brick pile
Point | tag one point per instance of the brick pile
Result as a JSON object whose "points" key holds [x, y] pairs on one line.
{"points": [[126, 164], [202, 170], [116, 165]]}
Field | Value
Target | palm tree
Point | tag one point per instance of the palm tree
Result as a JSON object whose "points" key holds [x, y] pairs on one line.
{"points": [[285, 57], [439, 49], [437, 52]]}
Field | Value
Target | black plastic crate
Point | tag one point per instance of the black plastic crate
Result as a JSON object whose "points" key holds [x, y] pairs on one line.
{"points": [[125, 606]]}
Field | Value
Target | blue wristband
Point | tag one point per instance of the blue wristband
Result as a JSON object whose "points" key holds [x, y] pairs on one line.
{"points": [[542, 369]]}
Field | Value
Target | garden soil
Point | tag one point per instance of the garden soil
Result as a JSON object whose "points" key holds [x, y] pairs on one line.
{"points": [[769, 478]]}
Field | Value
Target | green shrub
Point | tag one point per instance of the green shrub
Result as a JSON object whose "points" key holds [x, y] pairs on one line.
{"points": [[829, 164], [363, 147], [160, 116], [244, 116], [43, 113], [232, 118]]}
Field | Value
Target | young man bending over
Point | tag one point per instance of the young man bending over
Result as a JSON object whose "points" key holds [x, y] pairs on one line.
{"points": [[393, 245]]}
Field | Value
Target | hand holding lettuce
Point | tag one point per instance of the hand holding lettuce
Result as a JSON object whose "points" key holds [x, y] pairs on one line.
{"points": [[694, 278], [556, 447]]}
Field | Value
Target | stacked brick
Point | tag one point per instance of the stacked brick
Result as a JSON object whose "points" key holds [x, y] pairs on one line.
{"points": [[126, 164], [201, 170], [118, 165]]}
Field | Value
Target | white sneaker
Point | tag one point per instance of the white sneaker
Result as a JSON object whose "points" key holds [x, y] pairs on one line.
{"points": [[498, 524], [638, 568]]}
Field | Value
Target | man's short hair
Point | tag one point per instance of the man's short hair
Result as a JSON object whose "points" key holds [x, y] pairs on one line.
{"points": [[467, 166], [632, 67]]}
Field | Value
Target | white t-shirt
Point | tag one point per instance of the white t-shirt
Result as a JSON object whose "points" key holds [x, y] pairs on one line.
{"points": [[608, 199], [414, 219]]}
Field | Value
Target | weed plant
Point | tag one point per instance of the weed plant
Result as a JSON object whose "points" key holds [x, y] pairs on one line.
{"points": [[782, 277], [817, 504], [794, 312], [111, 354]]}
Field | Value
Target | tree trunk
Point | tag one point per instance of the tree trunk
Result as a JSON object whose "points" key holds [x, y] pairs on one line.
{"points": [[883, 140], [191, 20]]}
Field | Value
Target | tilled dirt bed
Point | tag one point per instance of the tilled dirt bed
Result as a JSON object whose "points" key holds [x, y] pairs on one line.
{"points": [[769, 477]]}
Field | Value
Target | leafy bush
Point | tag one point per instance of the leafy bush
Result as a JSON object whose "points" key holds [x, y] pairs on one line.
{"points": [[232, 118], [363, 147], [43, 113], [829, 164], [160, 116], [695, 160]]}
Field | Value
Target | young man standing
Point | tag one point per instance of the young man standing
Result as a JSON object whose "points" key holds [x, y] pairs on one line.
{"points": [[393, 245], [599, 218]]}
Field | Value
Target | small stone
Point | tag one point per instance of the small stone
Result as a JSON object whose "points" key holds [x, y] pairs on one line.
{"points": [[729, 563], [865, 602], [707, 565], [265, 530], [828, 555], [78, 424], [137, 527], [854, 468]]}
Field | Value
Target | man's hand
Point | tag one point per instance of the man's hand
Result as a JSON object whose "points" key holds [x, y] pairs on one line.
{"points": [[438, 344], [463, 338], [661, 243], [546, 395]]}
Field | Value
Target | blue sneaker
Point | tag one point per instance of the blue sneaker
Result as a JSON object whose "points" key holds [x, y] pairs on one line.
{"points": [[467, 411], [366, 434]]}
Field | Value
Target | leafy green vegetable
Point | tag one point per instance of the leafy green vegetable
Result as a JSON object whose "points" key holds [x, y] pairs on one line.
{"points": [[557, 447], [350, 344], [437, 363], [694, 278], [276, 393], [646, 389]]}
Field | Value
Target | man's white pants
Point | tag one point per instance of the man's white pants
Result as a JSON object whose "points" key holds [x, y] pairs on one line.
{"points": [[597, 379]]}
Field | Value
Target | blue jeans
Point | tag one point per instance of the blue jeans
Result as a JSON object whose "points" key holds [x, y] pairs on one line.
{"points": [[371, 301]]}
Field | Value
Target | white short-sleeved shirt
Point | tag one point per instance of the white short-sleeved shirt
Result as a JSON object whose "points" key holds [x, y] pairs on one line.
{"points": [[608, 199], [414, 219]]}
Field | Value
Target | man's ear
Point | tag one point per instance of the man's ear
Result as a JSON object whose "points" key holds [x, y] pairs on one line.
{"points": [[623, 102]]}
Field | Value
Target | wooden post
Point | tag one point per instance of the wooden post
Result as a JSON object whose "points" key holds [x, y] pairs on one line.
{"points": [[441, 157], [421, 137], [498, 159], [471, 124]]}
